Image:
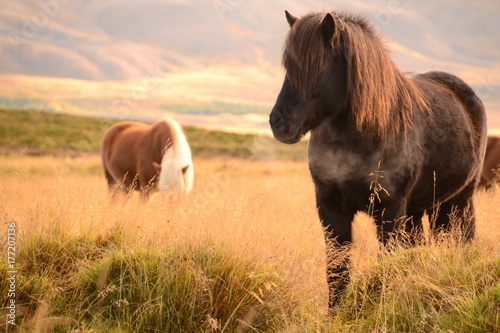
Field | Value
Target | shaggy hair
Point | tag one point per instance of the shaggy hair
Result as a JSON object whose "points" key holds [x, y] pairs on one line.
{"points": [[380, 97]]}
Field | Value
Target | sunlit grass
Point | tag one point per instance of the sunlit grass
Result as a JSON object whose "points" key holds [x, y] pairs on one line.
{"points": [[244, 252]]}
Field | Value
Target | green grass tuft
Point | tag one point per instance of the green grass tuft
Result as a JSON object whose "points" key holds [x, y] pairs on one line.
{"points": [[183, 289], [104, 283], [446, 287]]}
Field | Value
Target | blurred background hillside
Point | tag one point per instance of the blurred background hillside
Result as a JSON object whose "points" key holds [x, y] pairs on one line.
{"points": [[215, 63]]}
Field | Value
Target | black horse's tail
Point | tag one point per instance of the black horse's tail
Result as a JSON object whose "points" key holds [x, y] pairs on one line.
{"points": [[466, 95], [474, 109]]}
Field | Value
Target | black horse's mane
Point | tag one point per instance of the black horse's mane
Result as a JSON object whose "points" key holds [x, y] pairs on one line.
{"points": [[380, 97]]}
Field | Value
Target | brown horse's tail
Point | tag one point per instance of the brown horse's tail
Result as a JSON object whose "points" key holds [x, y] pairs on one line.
{"points": [[106, 146]]}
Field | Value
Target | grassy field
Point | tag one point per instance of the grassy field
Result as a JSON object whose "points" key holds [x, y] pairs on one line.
{"points": [[39, 133], [243, 253]]}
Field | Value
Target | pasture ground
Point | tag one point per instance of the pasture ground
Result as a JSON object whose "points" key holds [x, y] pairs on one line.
{"points": [[243, 253]]}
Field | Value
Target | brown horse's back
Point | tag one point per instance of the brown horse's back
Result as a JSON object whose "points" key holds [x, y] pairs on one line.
{"points": [[491, 162], [128, 151]]}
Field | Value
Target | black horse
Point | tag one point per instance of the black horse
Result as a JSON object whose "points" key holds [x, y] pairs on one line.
{"points": [[394, 145]]}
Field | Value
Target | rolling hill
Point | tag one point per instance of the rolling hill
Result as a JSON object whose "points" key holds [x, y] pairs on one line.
{"points": [[145, 58]]}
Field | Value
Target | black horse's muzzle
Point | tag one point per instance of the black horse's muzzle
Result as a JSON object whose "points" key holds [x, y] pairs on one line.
{"points": [[278, 123], [282, 128]]}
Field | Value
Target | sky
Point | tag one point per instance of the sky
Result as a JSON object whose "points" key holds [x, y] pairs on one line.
{"points": [[114, 39]]}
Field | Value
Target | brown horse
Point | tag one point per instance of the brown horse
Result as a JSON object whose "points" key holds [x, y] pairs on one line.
{"points": [[490, 175], [147, 157], [391, 145]]}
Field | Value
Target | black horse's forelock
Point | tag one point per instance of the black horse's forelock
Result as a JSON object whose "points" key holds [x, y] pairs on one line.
{"points": [[304, 55], [380, 96]]}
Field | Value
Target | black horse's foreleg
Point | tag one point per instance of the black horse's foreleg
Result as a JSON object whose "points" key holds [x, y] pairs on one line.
{"points": [[338, 236]]}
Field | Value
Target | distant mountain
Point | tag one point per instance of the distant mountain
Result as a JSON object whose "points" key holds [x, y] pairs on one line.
{"points": [[125, 39]]}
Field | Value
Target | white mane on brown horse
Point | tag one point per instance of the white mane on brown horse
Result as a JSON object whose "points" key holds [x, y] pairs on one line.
{"points": [[176, 164]]}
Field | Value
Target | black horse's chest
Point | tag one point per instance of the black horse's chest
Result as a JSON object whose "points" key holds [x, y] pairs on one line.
{"points": [[340, 160], [346, 168], [335, 164]]}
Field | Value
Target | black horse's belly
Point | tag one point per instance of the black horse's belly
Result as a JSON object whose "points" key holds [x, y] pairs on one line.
{"points": [[443, 177], [448, 165]]}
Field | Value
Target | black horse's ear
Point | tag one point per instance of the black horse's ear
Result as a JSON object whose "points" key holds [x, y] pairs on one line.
{"points": [[328, 26], [290, 18]]}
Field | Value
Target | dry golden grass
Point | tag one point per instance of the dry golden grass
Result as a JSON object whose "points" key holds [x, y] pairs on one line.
{"points": [[261, 211]]}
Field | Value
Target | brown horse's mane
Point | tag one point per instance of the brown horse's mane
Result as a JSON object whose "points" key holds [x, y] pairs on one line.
{"points": [[381, 98]]}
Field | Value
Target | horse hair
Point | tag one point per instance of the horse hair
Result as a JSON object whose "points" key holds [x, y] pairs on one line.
{"points": [[381, 98]]}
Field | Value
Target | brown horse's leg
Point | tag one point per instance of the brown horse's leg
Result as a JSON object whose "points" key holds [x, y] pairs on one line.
{"points": [[125, 184], [145, 186], [458, 212], [109, 178]]}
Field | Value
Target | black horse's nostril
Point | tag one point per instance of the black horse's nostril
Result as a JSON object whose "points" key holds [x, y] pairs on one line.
{"points": [[278, 123]]}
